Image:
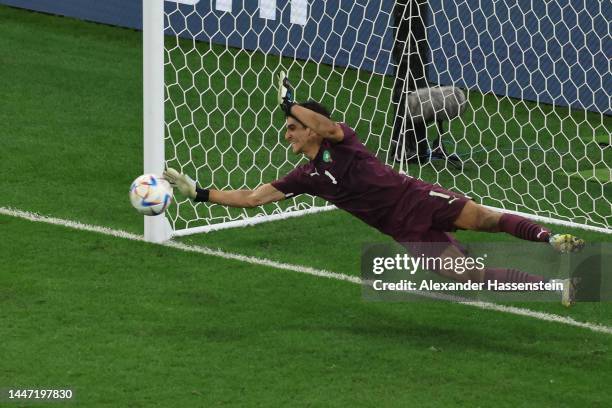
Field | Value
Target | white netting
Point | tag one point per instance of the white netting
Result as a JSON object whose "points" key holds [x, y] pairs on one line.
{"points": [[517, 150]]}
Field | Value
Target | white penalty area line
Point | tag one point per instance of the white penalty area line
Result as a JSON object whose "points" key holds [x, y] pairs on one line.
{"points": [[298, 268]]}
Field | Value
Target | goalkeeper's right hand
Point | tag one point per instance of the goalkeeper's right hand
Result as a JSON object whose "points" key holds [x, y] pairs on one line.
{"points": [[184, 183]]}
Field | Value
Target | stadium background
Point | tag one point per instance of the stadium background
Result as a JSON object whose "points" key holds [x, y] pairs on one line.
{"points": [[500, 47]]}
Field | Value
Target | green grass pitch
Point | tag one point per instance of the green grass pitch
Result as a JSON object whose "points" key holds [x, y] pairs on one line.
{"points": [[126, 323]]}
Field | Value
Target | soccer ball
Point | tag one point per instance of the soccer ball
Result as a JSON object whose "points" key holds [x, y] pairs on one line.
{"points": [[150, 194]]}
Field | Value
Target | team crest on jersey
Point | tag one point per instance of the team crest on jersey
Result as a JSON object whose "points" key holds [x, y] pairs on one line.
{"points": [[327, 156]]}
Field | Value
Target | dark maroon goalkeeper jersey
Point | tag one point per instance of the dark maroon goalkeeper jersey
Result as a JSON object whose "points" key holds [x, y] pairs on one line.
{"points": [[348, 175]]}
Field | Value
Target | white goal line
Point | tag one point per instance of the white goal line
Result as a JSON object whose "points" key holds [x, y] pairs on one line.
{"points": [[295, 268]]}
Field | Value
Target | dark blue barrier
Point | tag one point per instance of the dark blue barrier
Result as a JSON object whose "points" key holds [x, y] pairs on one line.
{"points": [[556, 55], [357, 37]]}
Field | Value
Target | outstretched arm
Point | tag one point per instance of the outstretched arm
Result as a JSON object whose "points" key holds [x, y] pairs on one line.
{"points": [[313, 120], [263, 194], [317, 122], [232, 198]]}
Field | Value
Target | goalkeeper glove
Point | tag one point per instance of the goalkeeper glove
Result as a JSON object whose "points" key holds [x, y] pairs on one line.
{"points": [[184, 183], [285, 93]]}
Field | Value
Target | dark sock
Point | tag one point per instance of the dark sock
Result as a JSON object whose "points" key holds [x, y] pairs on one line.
{"points": [[523, 228], [511, 275]]}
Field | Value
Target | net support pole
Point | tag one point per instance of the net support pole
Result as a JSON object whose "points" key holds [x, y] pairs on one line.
{"points": [[157, 228]]}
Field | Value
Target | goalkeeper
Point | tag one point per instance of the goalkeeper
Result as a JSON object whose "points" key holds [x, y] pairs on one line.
{"points": [[342, 171]]}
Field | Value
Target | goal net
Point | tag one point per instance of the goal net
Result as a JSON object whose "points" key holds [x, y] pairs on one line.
{"points": [[534, 137]]}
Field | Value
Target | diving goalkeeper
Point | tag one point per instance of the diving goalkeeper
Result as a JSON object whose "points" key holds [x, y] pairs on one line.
{"points": [[342, 171]]}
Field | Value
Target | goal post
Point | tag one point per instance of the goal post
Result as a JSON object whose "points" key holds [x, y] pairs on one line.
{"points": [[537, 104], [156, 229]]}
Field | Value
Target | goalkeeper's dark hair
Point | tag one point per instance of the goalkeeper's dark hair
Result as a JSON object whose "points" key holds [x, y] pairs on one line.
{"points": [[316, 107]]}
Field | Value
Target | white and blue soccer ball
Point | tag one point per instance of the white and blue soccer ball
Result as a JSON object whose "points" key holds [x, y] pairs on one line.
{"points": [[150, 194]]}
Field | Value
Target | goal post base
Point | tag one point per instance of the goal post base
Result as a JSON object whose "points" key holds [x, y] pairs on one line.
{"points": [[157, 229]]}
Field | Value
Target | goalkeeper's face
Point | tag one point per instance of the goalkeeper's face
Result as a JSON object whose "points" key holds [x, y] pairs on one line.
{"points": [[301, 138]]}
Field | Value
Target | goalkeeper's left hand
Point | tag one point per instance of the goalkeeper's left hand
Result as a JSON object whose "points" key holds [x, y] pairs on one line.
{"points": [[285, 93], [184, 183]]}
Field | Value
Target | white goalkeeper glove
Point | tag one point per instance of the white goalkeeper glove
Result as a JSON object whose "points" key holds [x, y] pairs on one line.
{"points": [[184, 183], [285, 93]]}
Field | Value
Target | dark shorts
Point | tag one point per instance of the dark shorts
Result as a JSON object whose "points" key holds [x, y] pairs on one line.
{"points": [[436, 210], [444, 210]]}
